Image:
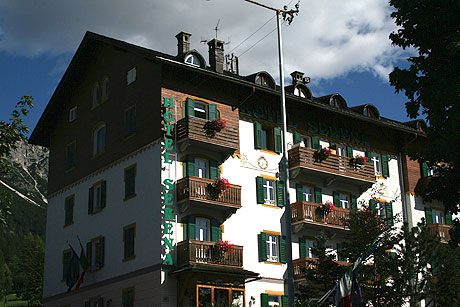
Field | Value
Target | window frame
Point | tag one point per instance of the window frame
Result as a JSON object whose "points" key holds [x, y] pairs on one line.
{"points": [[96, 253], [98, 141], [126, 256], [275, 257], [95, 95], [193, 57], [347, 200], [197, 235], [198, 169], [267, 189], [66, 208], [105, 89], [130, 128], [124, 292], [131, 76], [70, 156], [229, 289], [64, 253], [129, 184], [73, 114]]}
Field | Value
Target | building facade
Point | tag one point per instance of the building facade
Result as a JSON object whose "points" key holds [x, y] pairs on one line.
{"points": [[139, 143]]}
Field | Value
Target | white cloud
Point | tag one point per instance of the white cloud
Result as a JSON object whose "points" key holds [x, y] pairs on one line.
{"points": [[327, 39]]}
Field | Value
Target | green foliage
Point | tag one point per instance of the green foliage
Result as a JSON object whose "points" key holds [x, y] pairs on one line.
{"points": [[27, 267], [5, 280], [432, 86]]}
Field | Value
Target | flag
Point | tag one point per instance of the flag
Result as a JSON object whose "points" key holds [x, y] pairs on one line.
{"points": [[84, 263], [73, 270]]}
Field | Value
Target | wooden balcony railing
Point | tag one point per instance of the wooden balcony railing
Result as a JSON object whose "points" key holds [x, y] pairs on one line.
{"points": [[334, 164], [193, 128], [196, 188], [440, 230], [302, 264], [194, 251], [307, 211]]}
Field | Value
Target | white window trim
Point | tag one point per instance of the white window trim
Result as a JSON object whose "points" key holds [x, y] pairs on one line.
{"points": [[270, 244], [269, 191], [72, 114]]}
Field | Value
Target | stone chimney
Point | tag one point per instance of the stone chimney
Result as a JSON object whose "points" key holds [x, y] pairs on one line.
{"points": [[216, 55], [297, 77], [183, 43]]}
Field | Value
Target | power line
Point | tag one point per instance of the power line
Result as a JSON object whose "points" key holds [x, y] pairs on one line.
{"points": [[257, 42], [252, 33]]}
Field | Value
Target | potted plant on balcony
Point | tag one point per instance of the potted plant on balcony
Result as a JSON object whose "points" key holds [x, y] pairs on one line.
{"points": [[358, 161], [211, 127], [221, 248], [217, 187], [323, 211], [321, 154]]}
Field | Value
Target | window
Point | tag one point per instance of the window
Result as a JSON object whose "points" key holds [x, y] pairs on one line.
{"points": [[95, 302], [95, 250], [272, 247], [99, 140], [299, 92], [264, 80], [131, 76], [72, 114], [192, 59], [305, 248], [105, 89], [219, 296], [383, 209], [438, 216], [97, 197], [267, 138], [381, 166], [428, 171], [128, 297], [270, 191], [270, 300], [68, 208], [96, 95], [308, 193], [70, 153], [66, 257], [202, 229], [345, 200], [129, 234], [377, 164], [130, 182], [200, 167], [200, 109], [130, 121]]}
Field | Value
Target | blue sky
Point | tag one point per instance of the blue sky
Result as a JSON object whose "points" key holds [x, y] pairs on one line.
{"points": [[343, 48]]}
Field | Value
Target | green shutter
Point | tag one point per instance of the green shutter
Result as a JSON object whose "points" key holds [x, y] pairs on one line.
{"points": [[389, 213], [216, 231], [278, 141], [262, 237], [264, 300], [299, 192], [282, 249], [349, 151], [90, 200], [260, 190], [191, 227], [280, 193], [339, 253], [354, 202], [336, 198], [214, 171], [189, 107], [65, 264], [302, 248], [129, 242], [318, 195], [315, 142], [130, 121], [89, 252], [212, 112], [103, 193], [448, 218], [101, 258], [372, 205], [385, 169], [428, 216], [297, 137], [285, 301], [424, 169], [368, 155], [332, 145], [189, 168], [130, 182], [257, 135]]}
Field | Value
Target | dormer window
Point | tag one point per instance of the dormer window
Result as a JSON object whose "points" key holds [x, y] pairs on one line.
{"points": [[299, 92], [371, 111], [192, 59], [264, 81]]}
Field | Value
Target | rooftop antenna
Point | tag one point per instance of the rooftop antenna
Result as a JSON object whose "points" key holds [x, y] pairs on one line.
{"points": [[217, 27]]}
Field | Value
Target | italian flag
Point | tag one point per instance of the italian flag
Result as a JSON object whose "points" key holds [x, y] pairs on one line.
{"points": [[84, 263]]}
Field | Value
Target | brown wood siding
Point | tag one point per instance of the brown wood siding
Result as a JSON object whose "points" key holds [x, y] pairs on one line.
{"points": [[144, 93], [411, 174]]}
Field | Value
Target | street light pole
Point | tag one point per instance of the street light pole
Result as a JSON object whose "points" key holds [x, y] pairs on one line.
{"points": [[288, 15]]}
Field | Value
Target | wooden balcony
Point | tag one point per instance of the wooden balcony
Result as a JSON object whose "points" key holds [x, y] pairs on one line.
{"points": [[334, 168], [191, 133], [307, 213], [302, 264], [440, 230], [204, 252], [194, 195]]}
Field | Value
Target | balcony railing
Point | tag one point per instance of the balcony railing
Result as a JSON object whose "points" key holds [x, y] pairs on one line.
{"points": [[194, 251], [195, 188], [337, 165], [440, 230], [193, 128], [302, 264], [308, 212]]}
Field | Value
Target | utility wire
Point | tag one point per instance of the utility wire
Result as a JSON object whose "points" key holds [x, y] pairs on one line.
{"points": [[253, 33], [257, 42]]}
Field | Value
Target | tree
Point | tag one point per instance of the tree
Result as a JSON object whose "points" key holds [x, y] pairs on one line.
{"points": [[5, 280], [10, 134], [432, 86], [27, 268]]}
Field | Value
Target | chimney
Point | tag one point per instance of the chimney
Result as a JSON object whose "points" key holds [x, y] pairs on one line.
{"points": [[297, 77], [183, 43], [216, 55]]}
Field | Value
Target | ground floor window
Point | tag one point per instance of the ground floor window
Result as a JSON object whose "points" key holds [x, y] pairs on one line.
{"points": [[208, 296]]}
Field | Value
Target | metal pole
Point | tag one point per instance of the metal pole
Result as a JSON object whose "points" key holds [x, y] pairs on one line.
{"points": [[284, 169]]}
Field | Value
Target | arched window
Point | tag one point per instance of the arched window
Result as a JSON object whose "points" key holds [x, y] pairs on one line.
{"points": [[299, 92], [99, 139], [96, 95], [192, 59], [105, 89], [264, 80]]}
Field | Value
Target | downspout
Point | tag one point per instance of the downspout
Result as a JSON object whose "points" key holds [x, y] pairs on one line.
{"points": [[407, 211]]}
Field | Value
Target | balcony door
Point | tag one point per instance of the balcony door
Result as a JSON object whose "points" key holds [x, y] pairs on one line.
{"points": [[201, 168], [202, 229]]}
